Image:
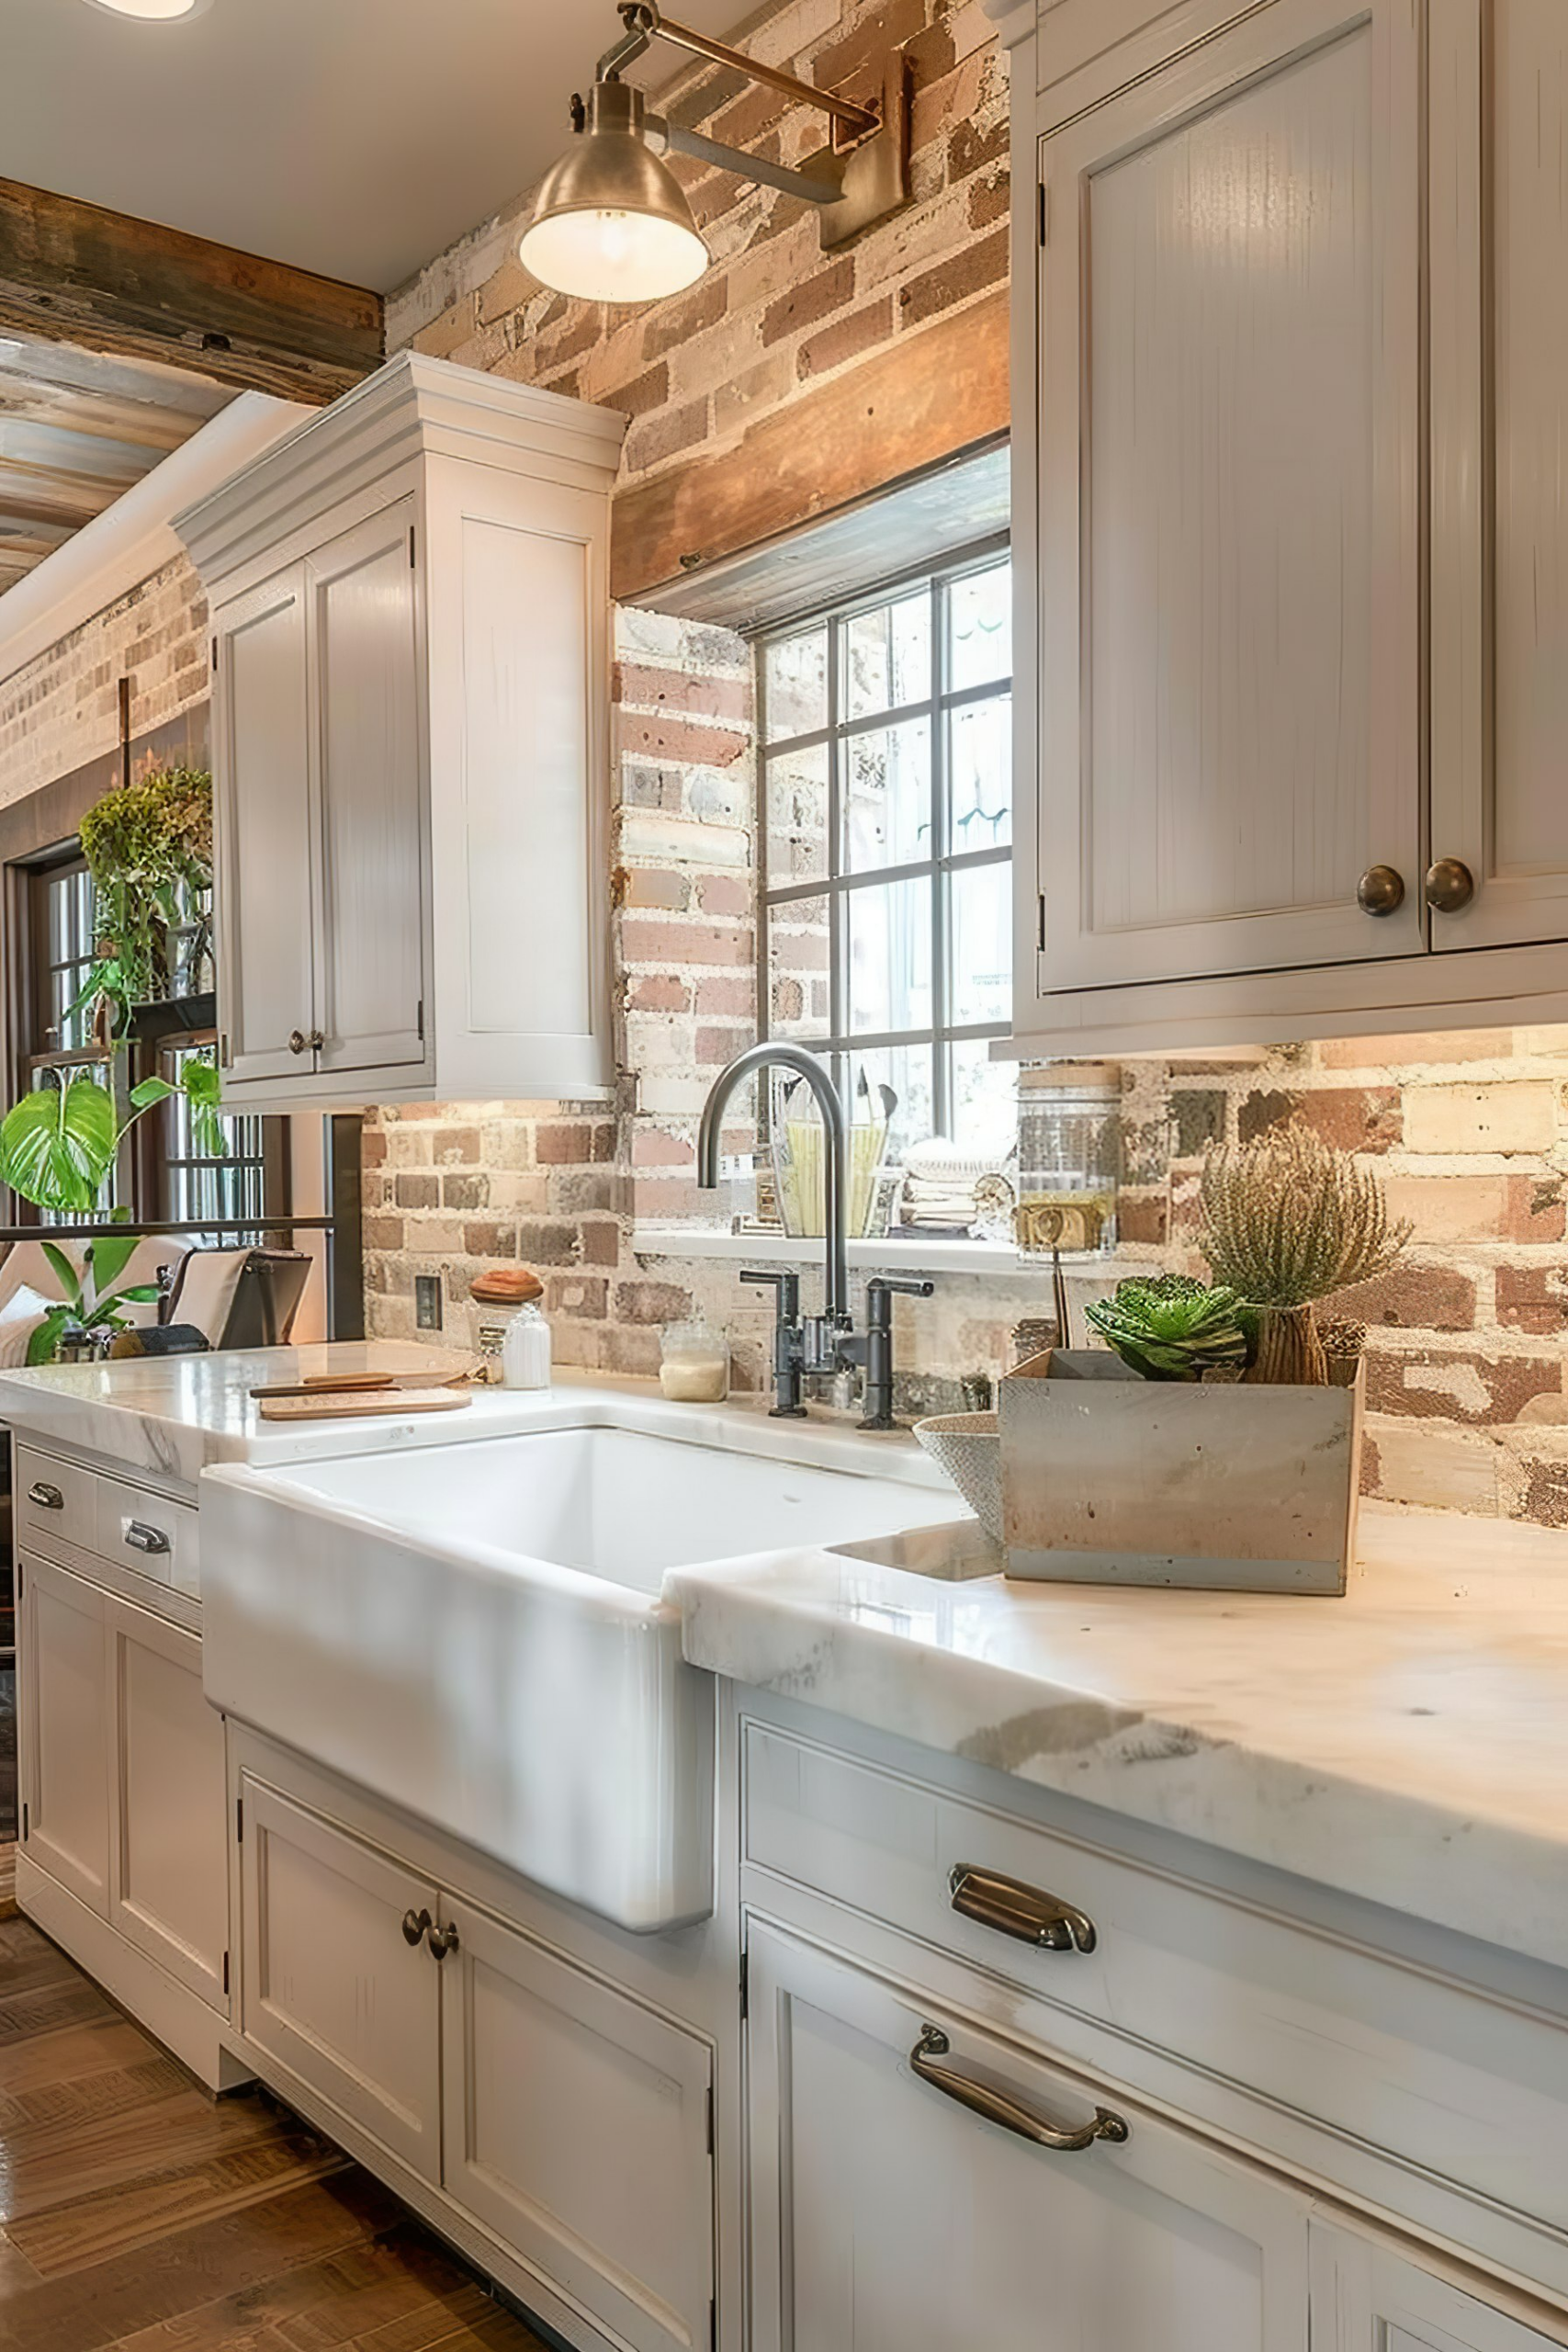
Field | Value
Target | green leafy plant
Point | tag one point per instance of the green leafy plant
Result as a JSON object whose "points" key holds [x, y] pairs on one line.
{"points": [[149, 851], [90, 1296], [1167, 1327], [58, 1146]]}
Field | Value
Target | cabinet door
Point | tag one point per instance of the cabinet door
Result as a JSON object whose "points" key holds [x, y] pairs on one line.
{"points": [[1499, 403], [64, 1730], [330, 1983], [1368, 2297], [883, 2212], [169, 1858], [576, 2128], [266, 817], [364, 671], [1229, 452]]}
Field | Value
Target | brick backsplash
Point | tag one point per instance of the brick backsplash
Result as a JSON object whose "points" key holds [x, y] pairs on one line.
{"points": [[62, 710]]}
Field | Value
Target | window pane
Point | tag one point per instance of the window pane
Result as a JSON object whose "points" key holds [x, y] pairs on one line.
{"points": [[885, 780], [888, 929], [979, 627], [983, 1111], [979, 768], [887, 656], [908, 1071], [799, 997], [980, 911], [797, 816], [795, 684]]}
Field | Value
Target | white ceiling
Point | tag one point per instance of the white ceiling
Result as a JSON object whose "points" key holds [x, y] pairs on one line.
{"points": [[357, 137]]}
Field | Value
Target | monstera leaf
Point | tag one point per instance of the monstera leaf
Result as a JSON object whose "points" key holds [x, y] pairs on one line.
{"points": [[58, 1146]]}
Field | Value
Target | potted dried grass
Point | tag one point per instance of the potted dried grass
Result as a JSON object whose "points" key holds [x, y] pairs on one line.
{"points": [[1216, 1442]]}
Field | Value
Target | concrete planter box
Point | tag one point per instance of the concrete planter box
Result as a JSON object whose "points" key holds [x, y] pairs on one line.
{"points": [[1111, 1479]]}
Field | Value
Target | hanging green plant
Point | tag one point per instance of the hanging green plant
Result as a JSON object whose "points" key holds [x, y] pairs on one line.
{"points": [[149, 851]]}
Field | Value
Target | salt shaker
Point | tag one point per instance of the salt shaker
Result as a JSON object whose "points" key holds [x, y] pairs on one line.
{"points": [[526, 1351]]}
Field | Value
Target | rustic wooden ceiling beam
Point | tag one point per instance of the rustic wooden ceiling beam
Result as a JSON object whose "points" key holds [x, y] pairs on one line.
{"points": [[74, 273]]}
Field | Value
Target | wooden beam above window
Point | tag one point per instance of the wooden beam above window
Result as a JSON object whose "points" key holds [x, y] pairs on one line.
{"points": [[73, 273], [916, 400]]}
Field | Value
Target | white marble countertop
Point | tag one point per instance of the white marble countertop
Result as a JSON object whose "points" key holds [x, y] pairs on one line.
{"points": [[1407, 1744], [170, 1417]]}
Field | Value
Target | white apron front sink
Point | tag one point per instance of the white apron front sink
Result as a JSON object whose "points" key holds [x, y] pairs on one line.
{"points": [[476, 1631]]}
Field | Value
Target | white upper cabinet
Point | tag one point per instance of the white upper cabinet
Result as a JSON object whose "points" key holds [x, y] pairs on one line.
{"points": [[411, 658], [1291, 521], [1229, 531], [1500, 306]]}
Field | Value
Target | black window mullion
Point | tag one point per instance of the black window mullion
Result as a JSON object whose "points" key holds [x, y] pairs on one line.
{"points": [[941, 1058]]}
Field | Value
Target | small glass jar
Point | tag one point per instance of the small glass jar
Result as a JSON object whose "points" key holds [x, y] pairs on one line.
{"points": [[693, 1364], [1069, 1154], [526, 1351]]}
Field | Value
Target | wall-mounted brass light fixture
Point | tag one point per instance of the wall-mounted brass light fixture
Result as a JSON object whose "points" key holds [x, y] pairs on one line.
{"points": [[612, 224]]}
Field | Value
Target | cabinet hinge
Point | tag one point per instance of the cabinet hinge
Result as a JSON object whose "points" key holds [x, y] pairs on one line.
{"points": [[24, 1825], [745, 1984], [225, 1972], [215, 657], [19, 1579], [710, 2119], [1040, 926], [712, 2324], [411, 547], [1044, 212], [240, 1820], [421, 1020]]}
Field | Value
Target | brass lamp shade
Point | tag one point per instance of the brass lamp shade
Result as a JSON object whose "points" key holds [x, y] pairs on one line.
{"points": [[610, 223]]}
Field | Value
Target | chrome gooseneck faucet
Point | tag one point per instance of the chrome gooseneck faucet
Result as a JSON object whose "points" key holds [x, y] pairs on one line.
{"points": [[828, 1342]]}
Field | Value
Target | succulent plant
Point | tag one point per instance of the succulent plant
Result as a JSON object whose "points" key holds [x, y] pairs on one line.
{"points": [[1167, 1327]]}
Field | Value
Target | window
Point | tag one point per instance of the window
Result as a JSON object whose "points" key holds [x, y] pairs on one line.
{"points": [[887, 843], [164, 1178]]}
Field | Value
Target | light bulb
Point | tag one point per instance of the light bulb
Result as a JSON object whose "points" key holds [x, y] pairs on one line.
{"points": [[153, 11]]}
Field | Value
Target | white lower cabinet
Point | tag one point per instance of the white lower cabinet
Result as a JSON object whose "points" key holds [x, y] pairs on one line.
{"points": [[64, 1730], [1368, 2296], [886, 2211], [570, 2121], [168, 1859], [576, 2127], [332, 1985]]}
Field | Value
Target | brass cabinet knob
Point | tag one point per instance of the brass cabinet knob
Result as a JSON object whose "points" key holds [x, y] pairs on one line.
{"points": [[1381, 891], [318, 1038], [416, 1927], [441, 1940], [1450, 886], [298, 1042]]}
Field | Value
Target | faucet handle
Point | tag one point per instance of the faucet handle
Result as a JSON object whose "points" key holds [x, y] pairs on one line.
{"points": [[786, 1285]]}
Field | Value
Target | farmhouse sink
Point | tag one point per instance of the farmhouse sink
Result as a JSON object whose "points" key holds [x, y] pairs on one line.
{"points": [[476, 1629]]}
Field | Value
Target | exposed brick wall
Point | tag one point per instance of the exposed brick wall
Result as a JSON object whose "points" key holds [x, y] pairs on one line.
{"points": [[63, 709], [1469, 1134], [774, 315]]}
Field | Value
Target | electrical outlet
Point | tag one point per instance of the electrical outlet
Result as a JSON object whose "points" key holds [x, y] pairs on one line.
{"points": [[427, 1302]]}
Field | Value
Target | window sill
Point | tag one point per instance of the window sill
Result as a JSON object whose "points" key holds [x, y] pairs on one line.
{"points": [[933, 1256]]}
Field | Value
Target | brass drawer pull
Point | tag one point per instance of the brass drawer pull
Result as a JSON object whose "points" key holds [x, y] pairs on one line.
{"points": [[142, 1538], [416, 1926], [442, 1942], [47, 1497], [1014, 1908], [996, 2108]]}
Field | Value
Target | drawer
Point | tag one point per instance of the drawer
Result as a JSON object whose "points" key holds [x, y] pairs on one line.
{"points": [[1442, 2076], [149, 1534], [55, 1502]]}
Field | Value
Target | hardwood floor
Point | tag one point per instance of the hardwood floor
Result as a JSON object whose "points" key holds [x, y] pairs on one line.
{"points": [[137, 2212]]}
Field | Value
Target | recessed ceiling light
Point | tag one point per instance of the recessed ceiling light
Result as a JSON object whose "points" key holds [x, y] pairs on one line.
{"points": [[154, 12]]}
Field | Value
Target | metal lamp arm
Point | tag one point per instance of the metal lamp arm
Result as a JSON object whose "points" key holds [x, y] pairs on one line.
{"points": [[644, 24]]}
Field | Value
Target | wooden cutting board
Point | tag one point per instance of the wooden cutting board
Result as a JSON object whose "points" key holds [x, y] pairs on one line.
{"points": [[324, 1406]]}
